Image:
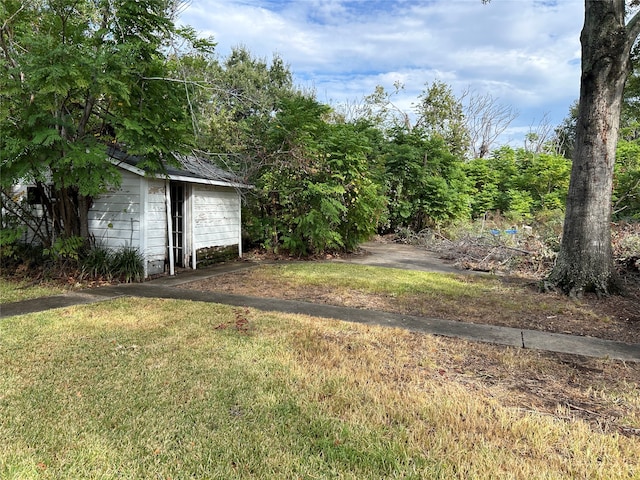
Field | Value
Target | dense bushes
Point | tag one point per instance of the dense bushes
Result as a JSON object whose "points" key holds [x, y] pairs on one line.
{"points": [[315, 193], [72, 257], [329, 184], [518, 183], [426, 185]]}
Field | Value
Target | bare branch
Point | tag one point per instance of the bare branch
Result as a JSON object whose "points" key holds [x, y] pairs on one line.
{"points": [[486, 121], [538, 138]]}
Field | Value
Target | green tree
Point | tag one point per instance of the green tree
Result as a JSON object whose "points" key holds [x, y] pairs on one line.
{"points": [[504, 162], [314, 193], [484, 190], [236, 101], [440, 114], [380, 110], [437, 113], [76, 77], [426, 184], [469, 125], [585, 259], [546, 177], [518, 182]]}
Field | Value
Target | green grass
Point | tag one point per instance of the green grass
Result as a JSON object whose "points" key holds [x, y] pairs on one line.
{"points": [[388, 281], [108, 395], [144, 388], [452, 296], [14, 291]]}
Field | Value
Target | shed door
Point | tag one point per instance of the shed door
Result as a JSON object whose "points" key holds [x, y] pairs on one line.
{"points": [[177, 221]]}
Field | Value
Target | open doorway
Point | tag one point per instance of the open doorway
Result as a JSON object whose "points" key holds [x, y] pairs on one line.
{"points": [[178, 222]]}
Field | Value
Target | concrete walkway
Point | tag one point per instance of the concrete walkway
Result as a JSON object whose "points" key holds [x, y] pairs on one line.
{"points": [[165, 287]]}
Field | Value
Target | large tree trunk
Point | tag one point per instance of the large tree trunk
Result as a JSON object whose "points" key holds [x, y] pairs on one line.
{"points": [[585, 261]]}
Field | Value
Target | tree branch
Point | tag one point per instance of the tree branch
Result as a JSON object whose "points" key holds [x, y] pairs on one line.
{"points": [[633, 29], [3, 44], [86, 114]]}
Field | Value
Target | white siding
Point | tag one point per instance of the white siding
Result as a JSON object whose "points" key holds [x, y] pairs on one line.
{"points": [[216, 216], [155, 216], [133, 215], [114, 217]]}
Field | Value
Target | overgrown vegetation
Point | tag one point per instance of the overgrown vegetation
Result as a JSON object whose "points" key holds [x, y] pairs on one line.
{"points": [[167, 389], [318, 194], [71, 261], [326, 177]]}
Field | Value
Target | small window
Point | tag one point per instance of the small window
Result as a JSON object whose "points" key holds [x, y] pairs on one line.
{"points": [[34, 196]]}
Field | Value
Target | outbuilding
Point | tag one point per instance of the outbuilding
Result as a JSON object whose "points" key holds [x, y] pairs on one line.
{"points": [[188, 216]]}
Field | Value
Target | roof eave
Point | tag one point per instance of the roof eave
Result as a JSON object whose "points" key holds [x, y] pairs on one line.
{"points": [[178, 178]]}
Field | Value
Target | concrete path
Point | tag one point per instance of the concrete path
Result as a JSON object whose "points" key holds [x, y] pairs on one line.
{"points": [[165, 287], [399, 255]]}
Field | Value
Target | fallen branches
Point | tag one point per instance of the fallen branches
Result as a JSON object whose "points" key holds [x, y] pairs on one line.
{"points": [[524, 252]]}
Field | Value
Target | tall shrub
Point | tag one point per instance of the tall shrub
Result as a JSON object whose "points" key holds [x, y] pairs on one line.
{"points": [[314, 194], [427, 185]]}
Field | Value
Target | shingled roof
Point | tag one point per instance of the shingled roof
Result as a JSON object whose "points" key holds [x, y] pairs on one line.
{"points": [[190, 168]]}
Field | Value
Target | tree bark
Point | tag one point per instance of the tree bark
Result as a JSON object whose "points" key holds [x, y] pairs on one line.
{"points": [[585, 261], [84, 203]]}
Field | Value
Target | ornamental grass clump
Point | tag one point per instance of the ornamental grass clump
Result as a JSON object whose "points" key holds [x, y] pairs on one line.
{"points": [[128, 265], [98, 262], [125, 264]]}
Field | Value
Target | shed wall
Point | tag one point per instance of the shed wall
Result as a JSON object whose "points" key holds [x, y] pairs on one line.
{"points": [[155, 224], [216, 216], [114, 217], [133, 215]]}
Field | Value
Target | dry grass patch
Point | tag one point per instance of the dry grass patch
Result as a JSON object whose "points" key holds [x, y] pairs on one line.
{"points": [[459, 400], [480, 299], [147, 388]]}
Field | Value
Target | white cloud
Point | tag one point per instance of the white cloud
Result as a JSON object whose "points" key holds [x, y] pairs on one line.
{"points": [[524, 52]]}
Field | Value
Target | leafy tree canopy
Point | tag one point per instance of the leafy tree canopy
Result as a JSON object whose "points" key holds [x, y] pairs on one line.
{"points": [[80, 75], [314, 193], [426, 183], [518, 182]]}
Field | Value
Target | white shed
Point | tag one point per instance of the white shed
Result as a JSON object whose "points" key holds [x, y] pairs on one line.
{"points": [[188, 216]]}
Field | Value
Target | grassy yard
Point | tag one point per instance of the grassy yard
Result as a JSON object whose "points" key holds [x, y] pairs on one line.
{"points": [[14, 291], [165, 389], [484, 299], [458, 295]]}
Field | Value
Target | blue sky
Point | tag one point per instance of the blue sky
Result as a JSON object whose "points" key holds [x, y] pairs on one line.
{"points": [[525, 53]]}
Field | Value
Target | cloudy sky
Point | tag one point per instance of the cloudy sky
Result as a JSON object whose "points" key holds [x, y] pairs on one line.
{"points": [[525, 53]]}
